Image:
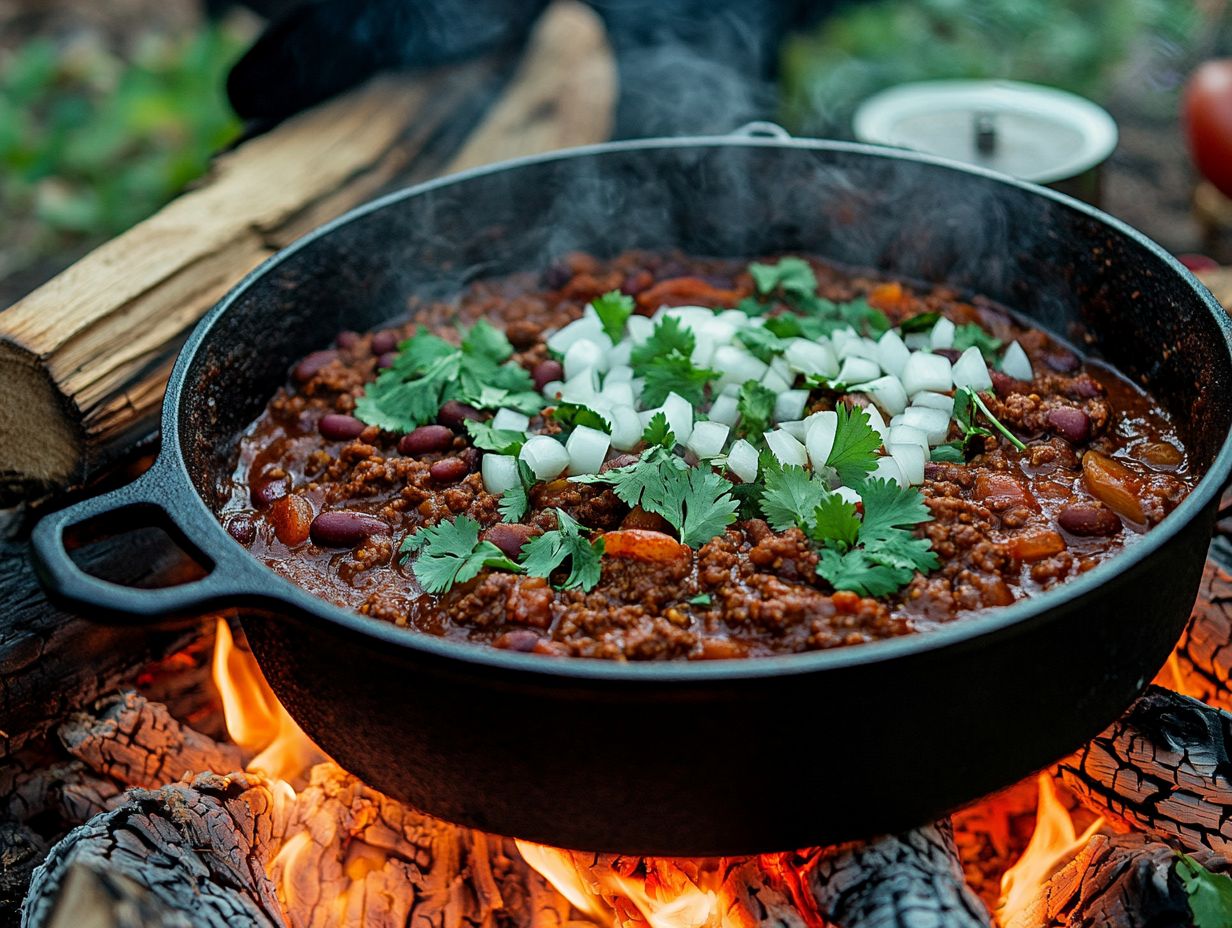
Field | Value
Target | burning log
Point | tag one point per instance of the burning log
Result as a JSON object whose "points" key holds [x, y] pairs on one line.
{"points": [[197, 849], [1162, 768], [913, 879], [1202, 662], [1124, 880]]}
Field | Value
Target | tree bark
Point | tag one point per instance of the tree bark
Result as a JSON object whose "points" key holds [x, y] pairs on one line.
{"points": [[1162, 768]]}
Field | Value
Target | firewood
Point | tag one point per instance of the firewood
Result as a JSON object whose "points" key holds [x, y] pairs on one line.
{"points": [[1162, 768], [21, 851], [197, 849], [60, 796], [94, 898], [84, 359], [991, 834], [910, 880], [1125, 880], [136, 742], [1201, 665]]}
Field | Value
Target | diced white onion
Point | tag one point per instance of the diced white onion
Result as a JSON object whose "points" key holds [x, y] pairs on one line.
{"points": [[892, 353], [878, 424], [510, 419], [500, 472], [840, 337], [887, 392], [725, 409], [736, 318], [1016, 364], [639, 328], [627, 428], [858, 370], [934, 401], [737, 365], [819, 438], [795, 428], [689, 316], [704, 347], [858, 348], [742, 460], [925, 371], [620, 355], [789, 405], [618, 394], [917, 340], [581, 389], [887, 469], [553, 388], [847, 494], [708, 439], [908, 435], [785, 448], [910, 459], [934, 423], [679, 416], [775, 382], [779, 365], [719, 330], [544, 455], [971, 371], [588, 328], [618, 373], [811, 357], [583, 355], [587, 448], [942, 335], [638, 384]]}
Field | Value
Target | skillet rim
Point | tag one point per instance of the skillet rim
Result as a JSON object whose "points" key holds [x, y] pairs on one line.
{"points": [[964, 633]]}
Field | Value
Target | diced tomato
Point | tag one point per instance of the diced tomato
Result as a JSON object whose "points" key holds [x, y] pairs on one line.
{"points": [[686, 291]]}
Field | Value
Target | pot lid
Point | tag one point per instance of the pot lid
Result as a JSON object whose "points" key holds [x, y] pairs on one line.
{"points": [[1029, 131]]}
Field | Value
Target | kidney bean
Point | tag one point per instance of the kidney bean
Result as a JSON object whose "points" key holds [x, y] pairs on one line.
{"points": [[242, 528], [471, 457], [509, 537], [453, 414], [448, 470], [344, 528], [347, 339], [1114, 485], [1088, 520], [1063, 362], [384, 342], [337, 427], [1004, 384], [310, 366], [640, 518], [620, 460], [1072, 424], [264, 491], [517, 639], [387, 360], [1085, 387], [425, 440], [547, 371], [950, 354], [291, 517]]}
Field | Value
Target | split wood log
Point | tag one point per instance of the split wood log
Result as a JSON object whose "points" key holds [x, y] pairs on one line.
{"points": [[1163, 768], [84, 359], [21, 851], [912, 880], [1201, 665], [1129, 881], [197, 849], [93, 898]]}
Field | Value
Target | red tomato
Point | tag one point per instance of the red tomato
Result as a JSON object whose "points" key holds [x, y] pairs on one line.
{"points": [[1208, 121]]}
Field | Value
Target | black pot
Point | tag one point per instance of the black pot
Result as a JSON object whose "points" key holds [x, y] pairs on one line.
{"points": [[714, 757]]}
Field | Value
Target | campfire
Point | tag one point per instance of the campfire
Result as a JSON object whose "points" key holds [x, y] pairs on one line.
{"points": [[181, 821]]}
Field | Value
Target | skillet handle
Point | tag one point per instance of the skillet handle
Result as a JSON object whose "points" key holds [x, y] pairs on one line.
{"points": [[232, 578]]}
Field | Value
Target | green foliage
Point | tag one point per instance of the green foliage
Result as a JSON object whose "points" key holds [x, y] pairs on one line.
{"points": [[1210, 894], [451, 552], [1074, 44], [91, 142], [545, 553]]}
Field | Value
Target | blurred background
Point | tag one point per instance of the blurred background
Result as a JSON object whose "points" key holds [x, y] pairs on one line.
{"points": [[107, 110]]}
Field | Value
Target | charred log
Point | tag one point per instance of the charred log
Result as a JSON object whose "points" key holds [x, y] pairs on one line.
{"points": [[110, 900], [197, 849], [1125, 880], [913, 879], [1202, 661], [21, 851], [1163, 768]]}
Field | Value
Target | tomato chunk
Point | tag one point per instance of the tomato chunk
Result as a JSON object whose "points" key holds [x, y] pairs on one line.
{"points": [[645, 545], [1114, 485]]}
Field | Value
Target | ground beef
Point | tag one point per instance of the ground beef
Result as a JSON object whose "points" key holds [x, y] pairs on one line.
{"points": [[998, 521]]}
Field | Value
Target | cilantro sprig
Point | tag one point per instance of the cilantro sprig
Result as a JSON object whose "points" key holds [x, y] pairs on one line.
{"points": [[451, 553], [1210, 894], [502, 441], [970, 335], [966, 403], [854, 452], [755, 404], [665, 362], [791, 496], [613, 309], [429, 371], [545, 553], [792, 281]]}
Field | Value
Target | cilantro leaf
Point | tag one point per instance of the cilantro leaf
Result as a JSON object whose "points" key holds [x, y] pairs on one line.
{"points": [[863, 317], [486, 341], [854, 453], [701, 599], [791, 496], [502, 441], [708, 506], [789, 325], [665, 363], [403, 398], [545, 553], [969, 334], [751, 306], [1210, 894], [515, 501], [921, 322], [613, 309], [632, 480], [854, 570], [657, 432], [835, 521], [528, 402], [574, 414], [755, 404], [451, 552], [761, 343], [889, 507], [950, 453], [788, 276], [969, 397]]}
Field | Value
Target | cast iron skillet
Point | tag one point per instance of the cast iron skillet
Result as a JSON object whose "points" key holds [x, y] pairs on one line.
{"points": [[716, 757]]}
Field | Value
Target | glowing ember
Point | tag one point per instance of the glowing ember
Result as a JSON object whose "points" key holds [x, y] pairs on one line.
{"points": [[1052, 844]]}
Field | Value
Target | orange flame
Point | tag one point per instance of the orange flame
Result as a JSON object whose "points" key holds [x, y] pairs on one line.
{"points": [[1052, 844]]}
